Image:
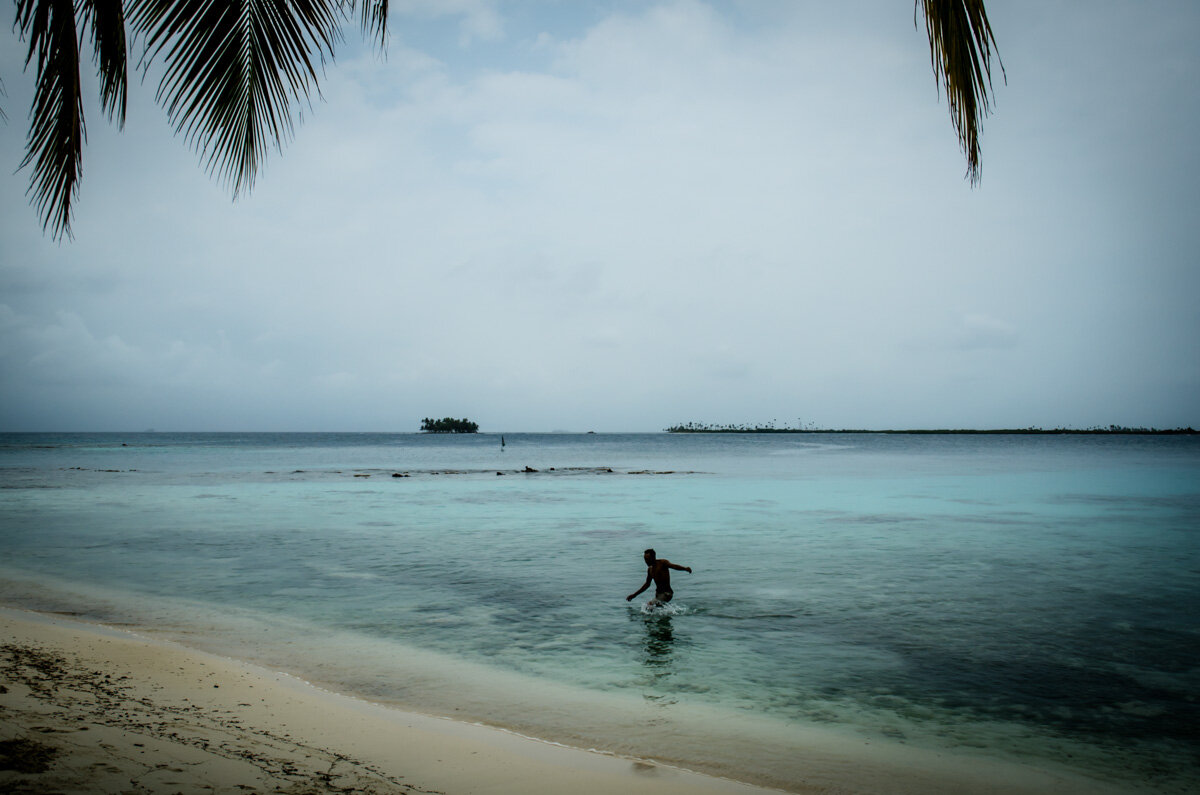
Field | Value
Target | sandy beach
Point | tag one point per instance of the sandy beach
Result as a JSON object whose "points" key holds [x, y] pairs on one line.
{"points": [[92, 709], [85, 709]]}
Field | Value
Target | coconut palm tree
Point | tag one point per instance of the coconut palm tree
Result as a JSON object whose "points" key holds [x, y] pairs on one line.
{"points": [[233, 71]]}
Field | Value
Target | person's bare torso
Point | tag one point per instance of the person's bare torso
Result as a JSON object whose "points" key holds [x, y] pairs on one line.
{"points": [[660, 572]]}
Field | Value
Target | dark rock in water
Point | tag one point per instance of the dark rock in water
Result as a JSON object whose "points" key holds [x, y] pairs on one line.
{"points": [[529, 469], [501, 474], [400, 475]]}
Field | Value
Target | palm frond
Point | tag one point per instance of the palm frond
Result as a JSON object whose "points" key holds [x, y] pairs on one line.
{"points": [[374, 20], [107, 19], [56, 130], [960, 49], [232, 70]]}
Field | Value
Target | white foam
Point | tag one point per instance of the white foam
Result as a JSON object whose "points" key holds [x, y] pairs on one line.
{"points": [[653, 608]]}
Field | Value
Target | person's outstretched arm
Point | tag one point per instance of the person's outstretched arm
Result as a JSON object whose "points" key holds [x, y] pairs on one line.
{"points": [[645, 585], [688, 569]]}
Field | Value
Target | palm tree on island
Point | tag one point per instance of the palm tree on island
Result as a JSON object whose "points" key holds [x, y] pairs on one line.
{"points": [[449, 425], [233, 70]]}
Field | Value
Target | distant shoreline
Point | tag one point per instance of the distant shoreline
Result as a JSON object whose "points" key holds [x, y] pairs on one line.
{"points": [[956, 431]]}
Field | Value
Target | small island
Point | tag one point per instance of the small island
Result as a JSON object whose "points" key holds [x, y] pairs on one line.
{"points": [[448, 425]]}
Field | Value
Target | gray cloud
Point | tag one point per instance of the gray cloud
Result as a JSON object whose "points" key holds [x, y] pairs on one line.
{"points": [[679, 211]]}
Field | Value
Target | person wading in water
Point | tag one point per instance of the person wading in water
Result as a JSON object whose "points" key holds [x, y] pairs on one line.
{"points": [[659, 572]]}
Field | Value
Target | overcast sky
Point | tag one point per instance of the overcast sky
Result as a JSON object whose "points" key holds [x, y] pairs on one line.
{"points": [[615, 216]]}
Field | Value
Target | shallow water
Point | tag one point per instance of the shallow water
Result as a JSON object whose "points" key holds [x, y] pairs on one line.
{"points": [[1027, 597]]}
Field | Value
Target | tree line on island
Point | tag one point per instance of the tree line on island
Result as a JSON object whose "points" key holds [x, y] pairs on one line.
{"points": [[771, 427], [449, 425]]}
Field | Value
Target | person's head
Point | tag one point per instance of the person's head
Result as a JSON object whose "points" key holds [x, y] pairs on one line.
{"points": [[649, 556]]}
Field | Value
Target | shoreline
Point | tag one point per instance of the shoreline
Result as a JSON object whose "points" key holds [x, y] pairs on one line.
{"points": [[98, 700], [90, 708]]}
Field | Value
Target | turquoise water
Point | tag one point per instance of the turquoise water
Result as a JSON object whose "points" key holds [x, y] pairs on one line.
{"points": [[1028, 598]]}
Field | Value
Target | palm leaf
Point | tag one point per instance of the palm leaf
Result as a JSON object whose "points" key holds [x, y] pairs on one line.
{"points": [[960, 48], [374, 19], [56, 129], [108, 44], [232, 69]]}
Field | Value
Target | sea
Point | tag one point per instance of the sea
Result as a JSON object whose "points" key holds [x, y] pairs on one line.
{"points": [[1030, 600]]}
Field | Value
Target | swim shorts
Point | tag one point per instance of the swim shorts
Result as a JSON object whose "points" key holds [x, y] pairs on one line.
{"points": [[664, 596]]}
